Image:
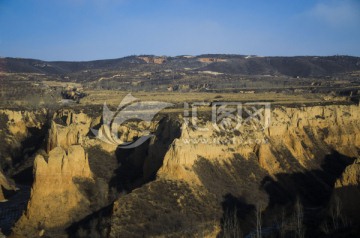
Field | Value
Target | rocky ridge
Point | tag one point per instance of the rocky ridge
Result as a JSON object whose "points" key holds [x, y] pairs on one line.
{"points": [[187, 173]]}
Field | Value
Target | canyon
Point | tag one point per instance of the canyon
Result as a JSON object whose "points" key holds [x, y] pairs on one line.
{"points": [[75, 167], [307, 152]]}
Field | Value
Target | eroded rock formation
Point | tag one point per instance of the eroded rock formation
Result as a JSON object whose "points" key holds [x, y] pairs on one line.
{"points": [[56, 200], [351, 176], [192, 175], [5, 183], [346, 195], [74, 128], [19, 129], [236, 165]]}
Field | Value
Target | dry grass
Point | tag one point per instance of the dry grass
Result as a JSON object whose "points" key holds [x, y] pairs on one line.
{"points": [[113, 97]]}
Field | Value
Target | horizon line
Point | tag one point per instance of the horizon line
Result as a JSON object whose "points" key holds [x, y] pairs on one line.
{"points": [[176, 56]]}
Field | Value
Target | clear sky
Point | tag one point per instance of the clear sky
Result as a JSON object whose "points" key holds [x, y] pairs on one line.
{"points": [[101, 29]]}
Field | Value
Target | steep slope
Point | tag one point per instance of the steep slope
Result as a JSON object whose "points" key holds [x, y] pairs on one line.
{"points": [[5, 183], [22, 133], [190, 182], [61, 173], [55, 185], [78, 172], [347, 194], [206, 174]]}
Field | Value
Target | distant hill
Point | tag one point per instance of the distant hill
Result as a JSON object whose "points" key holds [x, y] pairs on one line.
{"points": [[303, 66], [19, 65]]}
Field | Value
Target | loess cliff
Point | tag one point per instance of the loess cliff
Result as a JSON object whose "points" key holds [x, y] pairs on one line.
{"points": [[186, 182], [249, 168]]}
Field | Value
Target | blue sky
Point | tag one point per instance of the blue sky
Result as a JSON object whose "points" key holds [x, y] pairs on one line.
{"points": [[101, 29]]}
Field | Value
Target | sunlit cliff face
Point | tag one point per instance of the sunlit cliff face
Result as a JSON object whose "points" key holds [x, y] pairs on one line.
{"points": [[185, 170]]}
